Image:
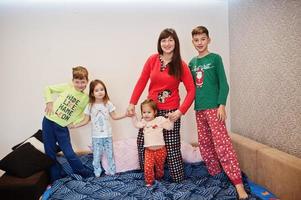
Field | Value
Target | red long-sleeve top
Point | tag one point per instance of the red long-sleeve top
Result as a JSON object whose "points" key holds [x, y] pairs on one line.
{"points": [[164, 88]]}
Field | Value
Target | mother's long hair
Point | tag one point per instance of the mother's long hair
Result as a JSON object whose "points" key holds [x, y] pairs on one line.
{"points": [[175, 65]]}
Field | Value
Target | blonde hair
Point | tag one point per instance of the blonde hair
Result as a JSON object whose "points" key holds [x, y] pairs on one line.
{"points": [[80, 72]]}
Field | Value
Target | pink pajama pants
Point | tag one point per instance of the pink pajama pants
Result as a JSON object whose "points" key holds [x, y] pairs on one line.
{"points": [[216, 146], [154, 161]]}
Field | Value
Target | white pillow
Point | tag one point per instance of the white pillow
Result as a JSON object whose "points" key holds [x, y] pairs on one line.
{"points": [[190, 153]]}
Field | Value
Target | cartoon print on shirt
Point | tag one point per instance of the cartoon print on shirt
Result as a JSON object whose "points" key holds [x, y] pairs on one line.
{"points": [[199, 73], [199, 78], [99, 120], [163, 95]]}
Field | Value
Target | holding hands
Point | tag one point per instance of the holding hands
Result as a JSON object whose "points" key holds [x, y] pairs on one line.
{"points": [[174, 116], [130, 112]]}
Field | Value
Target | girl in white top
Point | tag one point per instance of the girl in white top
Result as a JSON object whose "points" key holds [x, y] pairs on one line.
{"points": [[155, 151], [99, 110]]}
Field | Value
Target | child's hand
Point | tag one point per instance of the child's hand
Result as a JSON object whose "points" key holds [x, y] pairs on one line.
{"points": [[71, 126], [128, 115], [130, 110], [221, 113], [49, 108]]}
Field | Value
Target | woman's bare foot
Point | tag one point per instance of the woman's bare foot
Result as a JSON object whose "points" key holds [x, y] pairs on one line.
{"points": [[242, 194]]}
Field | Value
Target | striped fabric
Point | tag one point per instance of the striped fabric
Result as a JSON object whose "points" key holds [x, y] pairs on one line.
{"points": [[198, 184]]}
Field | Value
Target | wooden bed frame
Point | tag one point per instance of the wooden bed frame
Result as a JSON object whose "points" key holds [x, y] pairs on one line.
{"points": [[279, 172]]}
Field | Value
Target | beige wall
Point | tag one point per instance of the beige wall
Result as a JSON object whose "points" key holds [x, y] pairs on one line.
{"points": [[265, 57], [40, 42]]}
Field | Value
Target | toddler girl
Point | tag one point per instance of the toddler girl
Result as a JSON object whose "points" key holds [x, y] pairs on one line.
{"points": [[155, 151]]}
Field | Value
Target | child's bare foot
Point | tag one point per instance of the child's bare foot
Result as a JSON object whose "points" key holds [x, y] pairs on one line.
{"points": [[242, 194], [148, 185]]}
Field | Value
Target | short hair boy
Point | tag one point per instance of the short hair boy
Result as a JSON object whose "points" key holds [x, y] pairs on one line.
{"points": [[66, 109], [210, 99]]}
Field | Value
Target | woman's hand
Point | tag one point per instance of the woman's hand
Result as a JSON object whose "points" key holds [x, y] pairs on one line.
{"points": [[174, 116], [130, 112], [221, 113], [49, 108]]}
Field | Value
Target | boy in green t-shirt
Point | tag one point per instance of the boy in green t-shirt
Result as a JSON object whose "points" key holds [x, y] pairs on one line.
{"points": [[211, 94], [66, 109]]}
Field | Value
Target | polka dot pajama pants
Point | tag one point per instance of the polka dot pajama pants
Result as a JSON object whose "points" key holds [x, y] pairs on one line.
{"points": [[173, 147], [154, 164], [216, 146]]}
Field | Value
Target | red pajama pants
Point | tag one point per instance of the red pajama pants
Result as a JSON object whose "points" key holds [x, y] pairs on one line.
{"points": [[154, 161], [216, 146]]}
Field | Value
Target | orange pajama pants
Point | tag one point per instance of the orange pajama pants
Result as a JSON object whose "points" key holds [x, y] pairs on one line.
{"points": [[154, 164]]}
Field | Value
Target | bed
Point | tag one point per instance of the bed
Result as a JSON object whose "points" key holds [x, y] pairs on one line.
{"points": [[129, 182], [266, 166], [198, 184]]}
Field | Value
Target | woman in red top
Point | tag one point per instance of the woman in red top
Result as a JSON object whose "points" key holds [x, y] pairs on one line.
{"points": [[166, 70]]}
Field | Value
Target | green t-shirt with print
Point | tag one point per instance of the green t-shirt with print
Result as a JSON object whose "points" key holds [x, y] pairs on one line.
{"points": [[210, 81], [69, 104]]}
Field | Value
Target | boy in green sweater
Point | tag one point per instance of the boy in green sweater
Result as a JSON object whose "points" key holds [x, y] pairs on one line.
{"points": [[66, 109], [211, 95]]}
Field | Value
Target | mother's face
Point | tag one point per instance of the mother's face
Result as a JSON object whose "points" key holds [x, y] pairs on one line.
{"points": [[168, 45]]}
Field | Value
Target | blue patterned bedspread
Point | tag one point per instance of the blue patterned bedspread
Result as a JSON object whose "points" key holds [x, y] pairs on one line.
{"points": [[130, 185]]}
